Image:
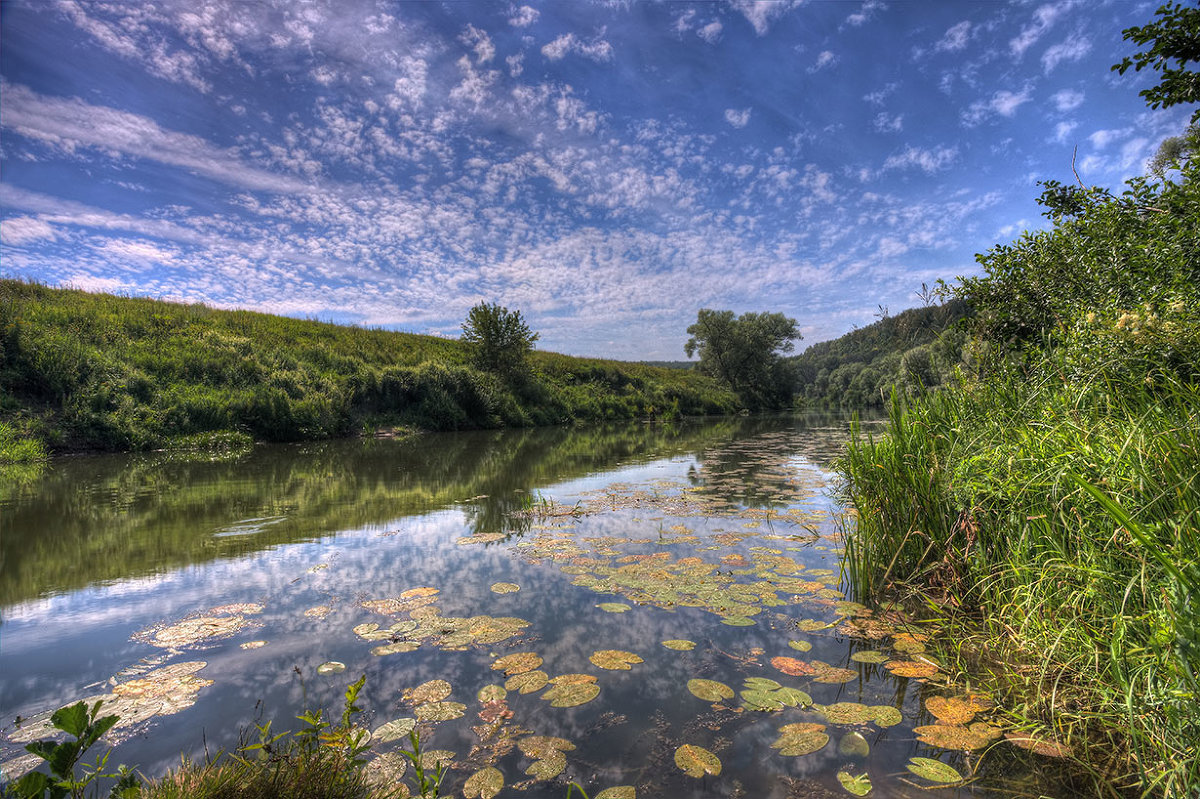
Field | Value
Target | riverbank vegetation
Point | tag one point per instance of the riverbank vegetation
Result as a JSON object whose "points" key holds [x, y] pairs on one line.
{"points": [[1051, 496], [92, 371]]}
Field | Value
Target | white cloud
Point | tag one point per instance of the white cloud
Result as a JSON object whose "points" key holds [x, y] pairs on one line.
{"points": [[956, 38], [1072, 49], [710, 32], [523, 17], [1043, 20], [480, 42], [1067, 100], [761, 13], [887, 123], [865, 13], [1102, 138], [134, 250], [825, 58], [1004, 102], [597, 50], [71, 124], [739, 119], [1063, 130], [26, 230], [929, 161]]}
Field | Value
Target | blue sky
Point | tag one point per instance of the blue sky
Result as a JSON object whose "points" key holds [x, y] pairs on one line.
{"points": [[606, 168]]}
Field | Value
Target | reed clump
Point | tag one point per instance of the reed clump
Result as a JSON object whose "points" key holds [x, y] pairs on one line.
{"points": [[1049, 501]]}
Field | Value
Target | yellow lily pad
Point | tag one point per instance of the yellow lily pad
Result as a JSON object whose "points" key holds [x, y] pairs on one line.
{"points": [[527, 681], [440, 711], [517, 663], [696, 761], [802, 738], [680, 645], [951, 710], [869, 656], [710, 690], [911, 668], [432, 691], [571, 694], [539, 747], [491, 693], [484, 784], [505, 588], [331, 667], [614, 659], [618, 792], [613, 607], [800, 645]]}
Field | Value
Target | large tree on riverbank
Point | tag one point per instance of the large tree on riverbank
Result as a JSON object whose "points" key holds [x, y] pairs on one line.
{"points": [[746, 353]]}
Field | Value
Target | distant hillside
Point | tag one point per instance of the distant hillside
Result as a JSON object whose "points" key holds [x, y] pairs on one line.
{"points": [[93, 371], [917, 348], [685, 365]]}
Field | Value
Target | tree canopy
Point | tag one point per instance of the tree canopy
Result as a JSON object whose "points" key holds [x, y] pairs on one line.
{"points": [[745, 352], [500, 338], [1174, 40]]}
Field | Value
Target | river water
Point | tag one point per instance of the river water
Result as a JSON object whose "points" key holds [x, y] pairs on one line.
{"points": [[493, 587]]}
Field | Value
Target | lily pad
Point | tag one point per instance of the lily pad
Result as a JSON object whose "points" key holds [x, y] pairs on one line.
{"points": [[911, 668], [951, 710], [527, 681], [484, 784], [696, 761], [801, 739], [761, 700], [394, 730], [517, 663], [423, 591], [710, 690], [613, 607], [800, 646], [859, 786], [331, 667], [440, 711], [792, 697], [948, 736], [680, 645], [548, 767], [853, 744], [432, 691], [618, 792], [252, 645], [491, 693], [394, 648], [738, 621], [505, 588], [886, 716], [571, 694], [614, 659], [846, 713], [792, 666], [869, 656], [761, 684], [436, 757], [933, 770], [539, 747]]}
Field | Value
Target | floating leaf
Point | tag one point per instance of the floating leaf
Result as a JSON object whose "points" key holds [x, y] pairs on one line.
{"points": [[886, 715], [911, 668], [548, 767], [388, 769], [614, 659], [825, 673], [949, 736], [394, 730], [869, 656], [432, 691], [951, 710], [436, 757], [318, 612], [853, 744], [505, 588], [812, 625], [618, 792], [484, 783], [933, 770], [480, 538], [415, 593], [440, 711], [253, 644], [761, 700], [540, 747], [331, 667], [800, 739], [394, 648], [193, 631], [527, 682], [696, 761], [613, 607], [793, 697], [846, 713], [571, 694], [791, 666], [371, 632], [517, 663], [491, 693], [1040, 745], [859, 786], [710, 690], [800, 646], [738, 621], [761, 684], [678, 644]]}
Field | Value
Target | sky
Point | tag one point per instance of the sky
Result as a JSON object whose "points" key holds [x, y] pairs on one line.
{"points": [[605, 168]]}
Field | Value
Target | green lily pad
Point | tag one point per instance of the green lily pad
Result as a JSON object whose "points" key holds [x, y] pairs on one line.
{"points": [[517, 663], [886, 716], [761, 684], [540, 747], [613, 607], [853, 744], [812, 625], [680, 645], [869, 656], [738, 621], [571, 694], [800, 646], [440, 711], [331, 667], [859, 786], [618, 792], [394, 648], [548, 767], [801, 739], [793, 697], [491, 693], [394, 730], [432, 691], [846, 713], [710, 690], [933, 770], [484, 784], [760, 700], [527, 681], [614, 659], [696, 761], [505, 588]]}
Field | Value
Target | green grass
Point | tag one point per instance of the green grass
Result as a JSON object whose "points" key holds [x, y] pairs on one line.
{"points": [[92, 371]]}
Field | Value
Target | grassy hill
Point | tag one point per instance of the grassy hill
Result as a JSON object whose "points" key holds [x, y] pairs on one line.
{"points": [[93, 371], [916, 349]]}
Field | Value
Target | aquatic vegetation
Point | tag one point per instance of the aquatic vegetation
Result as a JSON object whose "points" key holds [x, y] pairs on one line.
{"points": [[614, 659], [710, 690], [331, 667], [484, 783], [858, 785], [679, 644], [933, 770], [696, 761], [800, 739]]}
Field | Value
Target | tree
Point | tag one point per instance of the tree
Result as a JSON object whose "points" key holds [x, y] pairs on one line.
{"points": [[1174, 40], [744, 352], [499, 337]]}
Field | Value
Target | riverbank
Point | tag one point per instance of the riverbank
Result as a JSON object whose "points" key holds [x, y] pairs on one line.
{"points": [[96, 372]]}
